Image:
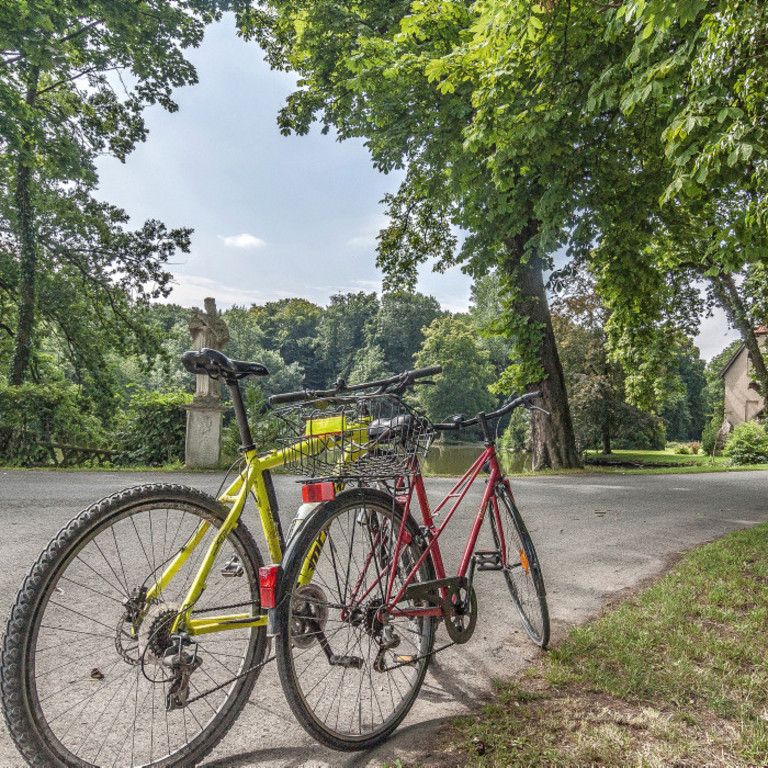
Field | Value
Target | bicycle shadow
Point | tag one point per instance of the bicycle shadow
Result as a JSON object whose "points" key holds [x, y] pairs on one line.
{"points": [[407, 738], [441, 686]]}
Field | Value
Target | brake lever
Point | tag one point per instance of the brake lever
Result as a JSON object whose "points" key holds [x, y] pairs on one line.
{"points": [[398, 387], [532, 407]]}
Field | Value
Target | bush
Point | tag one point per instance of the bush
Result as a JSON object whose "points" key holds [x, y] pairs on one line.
{"points": [[679, 448], [643, 432], [31, 414], [153, 428], [709, 436], [747, 444], [517, 435]]}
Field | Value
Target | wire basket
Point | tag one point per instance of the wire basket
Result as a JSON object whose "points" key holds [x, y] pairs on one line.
{"points": [[345, 438]]}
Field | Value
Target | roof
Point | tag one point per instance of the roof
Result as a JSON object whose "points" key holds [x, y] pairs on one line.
{"points": [[731, 361], [761, 330]]}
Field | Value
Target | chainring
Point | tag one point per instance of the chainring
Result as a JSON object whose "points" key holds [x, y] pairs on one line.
{"points": [[460, 613]]}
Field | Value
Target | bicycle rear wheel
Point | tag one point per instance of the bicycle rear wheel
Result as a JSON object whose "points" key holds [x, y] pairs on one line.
{"points": [[351, 673], [83, 677], [522, 570]]}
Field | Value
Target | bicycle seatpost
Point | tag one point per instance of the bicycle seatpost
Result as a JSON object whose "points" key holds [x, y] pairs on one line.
{"points": [[240, 415]]}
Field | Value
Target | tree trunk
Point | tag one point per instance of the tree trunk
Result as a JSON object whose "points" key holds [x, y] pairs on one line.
{"points": [[552, 437], [25, 232], [606, 441], [727, 293]]}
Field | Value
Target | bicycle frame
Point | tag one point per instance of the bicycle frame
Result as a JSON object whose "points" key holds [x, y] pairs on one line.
{"points": [[319, 436], [458, 493], [254, 478]]}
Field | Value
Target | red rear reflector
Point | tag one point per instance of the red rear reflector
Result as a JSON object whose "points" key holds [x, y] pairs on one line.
{"points": [[269, 578], [318, 492]]}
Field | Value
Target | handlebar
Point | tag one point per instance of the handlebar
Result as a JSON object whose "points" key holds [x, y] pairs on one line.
{"points": [[392, 385], [523, 400]]}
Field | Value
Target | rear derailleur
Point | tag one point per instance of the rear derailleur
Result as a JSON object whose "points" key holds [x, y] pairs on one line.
{"points": [[181, 663]]}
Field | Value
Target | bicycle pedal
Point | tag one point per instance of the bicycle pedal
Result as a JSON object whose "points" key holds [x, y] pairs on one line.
{"points": [[233, 568], [488, 560], [348, 662]]}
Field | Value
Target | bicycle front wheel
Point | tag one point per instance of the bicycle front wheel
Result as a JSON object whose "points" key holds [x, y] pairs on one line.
{"points": [[521, 567], [350, 670], [85, 664]]}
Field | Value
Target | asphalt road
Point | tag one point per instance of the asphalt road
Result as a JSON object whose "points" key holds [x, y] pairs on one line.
{"points": [[596, 537]]}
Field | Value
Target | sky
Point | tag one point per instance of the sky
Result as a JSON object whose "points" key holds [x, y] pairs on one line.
{"points": [[274, 216]]}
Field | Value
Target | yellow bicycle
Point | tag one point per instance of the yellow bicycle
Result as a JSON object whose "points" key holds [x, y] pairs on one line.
{"points": [[138, 635]]}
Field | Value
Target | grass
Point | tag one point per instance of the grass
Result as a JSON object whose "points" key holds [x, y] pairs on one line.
{"points": [[660, 462], [656, 457], [676, 676]]}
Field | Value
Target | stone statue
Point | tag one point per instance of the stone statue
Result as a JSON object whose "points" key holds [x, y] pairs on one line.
{"points": [[203, 444], [208, 330]]}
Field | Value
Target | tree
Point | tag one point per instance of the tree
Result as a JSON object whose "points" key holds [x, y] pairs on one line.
{"points": [[462, 387], [68, 261], [370, 365], [247, 342], [344, 329], [485, 309], [696, 73], [290, 326], [368, 70], [400, 325], [706, 61], [686, 413], [596, 385]]}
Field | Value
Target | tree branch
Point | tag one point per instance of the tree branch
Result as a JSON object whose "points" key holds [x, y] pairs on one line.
{"points": [[20, 56]]}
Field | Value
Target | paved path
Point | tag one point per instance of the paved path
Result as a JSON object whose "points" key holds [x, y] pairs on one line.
{"points": [[596, 536]]}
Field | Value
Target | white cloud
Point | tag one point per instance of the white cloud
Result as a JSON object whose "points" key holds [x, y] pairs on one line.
{"points": [[246, 241]]}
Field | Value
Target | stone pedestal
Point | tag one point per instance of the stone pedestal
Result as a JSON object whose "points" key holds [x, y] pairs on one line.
{"points": [[203, 444], [202, 449]]}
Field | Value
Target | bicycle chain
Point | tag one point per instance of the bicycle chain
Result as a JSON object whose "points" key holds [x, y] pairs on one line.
{"points": [[225, 607], [252, 669], [135, 661], [231, 680], [272, 658]]}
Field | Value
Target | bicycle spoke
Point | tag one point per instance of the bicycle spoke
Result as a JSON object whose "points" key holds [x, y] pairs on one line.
{"points": [[99, 682], [353, 696], [521, 570]]}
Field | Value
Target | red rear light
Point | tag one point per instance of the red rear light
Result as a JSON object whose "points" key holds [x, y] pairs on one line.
{"points": [[269, 579], [318, 492]]}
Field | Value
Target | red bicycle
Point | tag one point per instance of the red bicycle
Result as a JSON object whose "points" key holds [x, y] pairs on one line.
{"points": [[364, 586]]}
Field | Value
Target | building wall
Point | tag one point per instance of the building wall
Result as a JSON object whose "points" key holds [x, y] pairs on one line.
{"points": [[741, 402]]}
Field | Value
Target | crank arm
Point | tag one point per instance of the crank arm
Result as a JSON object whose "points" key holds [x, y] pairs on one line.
{"points": [[348, 662]]}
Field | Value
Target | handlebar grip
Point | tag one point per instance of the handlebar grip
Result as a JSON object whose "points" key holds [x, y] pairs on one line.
{"points": [[294, 397], [290, 397], [430, 370]]}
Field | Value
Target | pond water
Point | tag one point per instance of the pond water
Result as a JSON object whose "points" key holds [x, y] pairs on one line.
{"points": [[457, 459]]}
